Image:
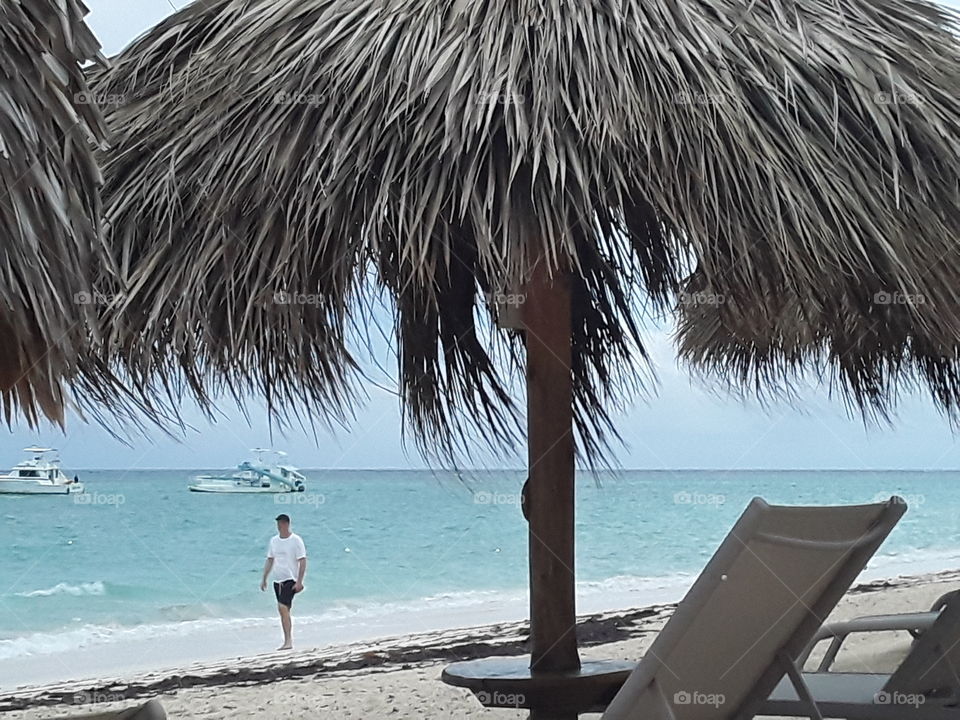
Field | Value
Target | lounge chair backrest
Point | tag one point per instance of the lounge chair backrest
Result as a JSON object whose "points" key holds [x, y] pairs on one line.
{"points": [[758, 602], [932, 667]]}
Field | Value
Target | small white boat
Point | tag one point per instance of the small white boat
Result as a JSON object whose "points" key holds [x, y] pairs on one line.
{"points": [[255, 477], [40, 475]]}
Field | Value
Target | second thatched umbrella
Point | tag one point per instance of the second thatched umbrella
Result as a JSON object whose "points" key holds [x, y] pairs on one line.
{"points": [[275, 163], [50, 244]]}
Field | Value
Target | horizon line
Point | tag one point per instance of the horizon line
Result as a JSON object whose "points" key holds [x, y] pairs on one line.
{"points": [[522, 469]]}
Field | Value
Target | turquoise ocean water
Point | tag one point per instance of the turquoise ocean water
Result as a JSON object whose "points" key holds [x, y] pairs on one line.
{"points": [[141, 554]]}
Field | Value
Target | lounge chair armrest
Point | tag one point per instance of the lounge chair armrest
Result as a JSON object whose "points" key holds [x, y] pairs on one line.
{"points": [[914, 623]]}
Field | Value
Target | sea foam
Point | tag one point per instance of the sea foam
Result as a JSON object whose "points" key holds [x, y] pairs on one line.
{"points": [[91, 588]]}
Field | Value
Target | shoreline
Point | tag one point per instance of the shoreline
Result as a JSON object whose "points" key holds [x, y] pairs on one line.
{"points": [[398, 652], [91, 652], [405, 652], [87, 651]]}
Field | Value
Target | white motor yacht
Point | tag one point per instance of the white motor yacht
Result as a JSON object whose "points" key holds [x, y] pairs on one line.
{"points": [[39, 475], [268, 473]]}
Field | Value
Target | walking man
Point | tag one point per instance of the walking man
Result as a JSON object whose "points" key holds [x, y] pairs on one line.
{"points": [[287, 559]]}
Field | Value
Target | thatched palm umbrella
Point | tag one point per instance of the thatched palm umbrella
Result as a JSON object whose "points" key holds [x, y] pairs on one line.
{"points": [[50, 210], [275, 163], [873, 342]]}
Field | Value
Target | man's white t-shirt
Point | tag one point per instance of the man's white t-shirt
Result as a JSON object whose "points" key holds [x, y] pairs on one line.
{"points": [[286, 553]]}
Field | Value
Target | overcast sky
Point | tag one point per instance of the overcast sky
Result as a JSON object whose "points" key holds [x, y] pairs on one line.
{"points": [[683, 426]]}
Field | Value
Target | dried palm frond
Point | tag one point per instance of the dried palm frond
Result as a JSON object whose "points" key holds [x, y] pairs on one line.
{"points": [[430, 150], [874, 345], [50, 244]]}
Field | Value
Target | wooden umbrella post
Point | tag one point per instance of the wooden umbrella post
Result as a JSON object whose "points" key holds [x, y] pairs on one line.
{"points": [[552, 683], [550, 490]]}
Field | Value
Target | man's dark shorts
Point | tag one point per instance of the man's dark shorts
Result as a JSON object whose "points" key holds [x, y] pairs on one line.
{"points": [[284, 592]]}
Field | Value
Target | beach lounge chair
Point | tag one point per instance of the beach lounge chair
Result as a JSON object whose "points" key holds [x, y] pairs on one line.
{"points": [[926, 686], [753, 611], [915, 623], [151, 710]]}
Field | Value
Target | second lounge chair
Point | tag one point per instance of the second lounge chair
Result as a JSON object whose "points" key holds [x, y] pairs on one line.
{"points": [[926, 686]]}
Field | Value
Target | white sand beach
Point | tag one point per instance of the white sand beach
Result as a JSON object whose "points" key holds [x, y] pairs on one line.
{"points": [[399, 677]]}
